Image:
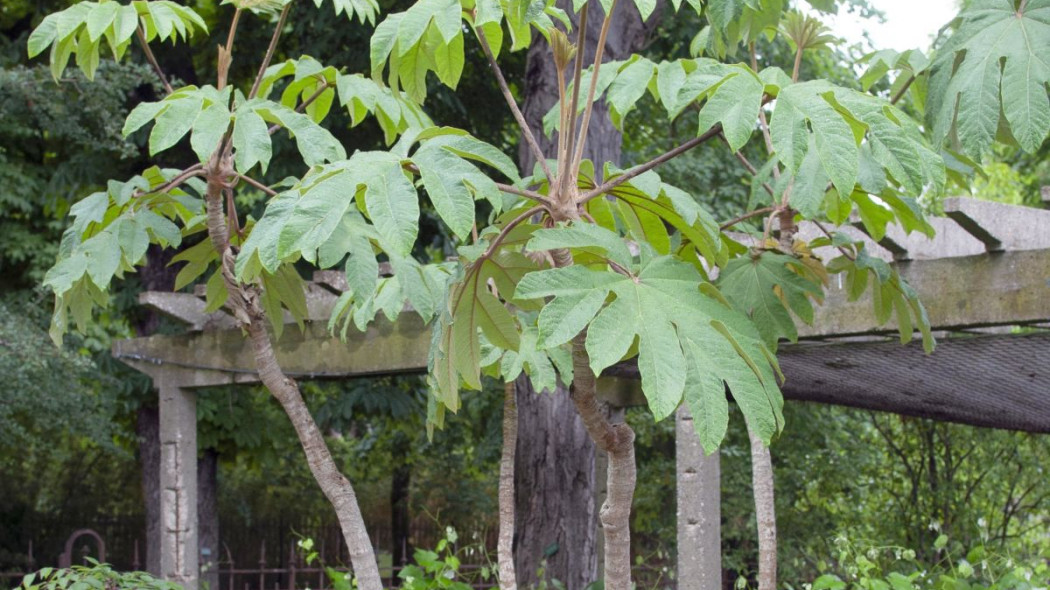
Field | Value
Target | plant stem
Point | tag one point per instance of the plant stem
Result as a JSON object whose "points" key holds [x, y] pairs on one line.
{"points": [[617, 440], [569, 132], [765, 512], [900, 93], [269, 51], [152, 59], [244, 301], [746, 216], [526, 133], [504, 550], [748, 165], [763, 124], [181, 177], [642, 168], [302, 106], [798, 64], [225, 58], [588, 108], [506, 229], [523, 192], [257, 184]]}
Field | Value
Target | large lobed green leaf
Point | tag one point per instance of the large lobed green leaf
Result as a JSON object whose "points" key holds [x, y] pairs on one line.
{"points": [[994, 63], [690, 343]]}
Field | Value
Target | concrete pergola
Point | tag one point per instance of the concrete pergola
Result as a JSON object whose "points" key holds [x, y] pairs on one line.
{"points": [[986, 272]]}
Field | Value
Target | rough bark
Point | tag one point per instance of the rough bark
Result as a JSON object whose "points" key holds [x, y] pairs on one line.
{"points": [[147, 430], [554, 486], [505, 546], [208, 517], [765, 513], [554, 478], [244, 302]]}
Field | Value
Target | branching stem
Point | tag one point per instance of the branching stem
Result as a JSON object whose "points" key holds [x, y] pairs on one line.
{"points": [[524, 192], [302, 106], [903, 90], [506, 229], [269, 51], [195, 170], [526, 132], [257, 184], [152, 59], [642, 168], [568, 135], [599, 51], [746, 216]]}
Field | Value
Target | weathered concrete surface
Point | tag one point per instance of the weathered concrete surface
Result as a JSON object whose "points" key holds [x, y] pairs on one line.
{"points": [[1007, 288], [178, 483], [699, 509]]}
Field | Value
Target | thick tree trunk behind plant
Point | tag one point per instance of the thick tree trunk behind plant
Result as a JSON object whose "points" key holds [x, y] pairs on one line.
{"points": [[208, 517], [554, 478], [147, 431], [765, 513], [505, 548], [554, 487]]}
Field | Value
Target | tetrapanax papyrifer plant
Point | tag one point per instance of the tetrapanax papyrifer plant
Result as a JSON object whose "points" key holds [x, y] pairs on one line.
{"points": [[580, 265]]}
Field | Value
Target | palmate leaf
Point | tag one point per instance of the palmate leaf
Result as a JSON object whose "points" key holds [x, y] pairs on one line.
{"points": [[994, 62], [891, 295], [364, 10], [682, 325], [765, 286], [202, 110], [472, 306], [82, 27], [109, 237], [428, 37]]}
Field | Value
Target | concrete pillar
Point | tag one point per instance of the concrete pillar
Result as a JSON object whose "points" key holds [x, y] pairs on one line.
{"points": [[699, 509], [178, 484]]}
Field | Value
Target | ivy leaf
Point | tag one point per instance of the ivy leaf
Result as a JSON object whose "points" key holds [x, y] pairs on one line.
{"points": [[994, 62], [665, 310], [764, 286]]}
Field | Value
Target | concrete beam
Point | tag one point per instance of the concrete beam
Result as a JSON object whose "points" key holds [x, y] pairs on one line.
{"points": [[1006, 288]]}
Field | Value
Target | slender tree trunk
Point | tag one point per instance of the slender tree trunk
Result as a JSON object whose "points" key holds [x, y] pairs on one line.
{"points": [[765, 513], [617, 440], [399, 517], [244, 301], [147, 430], [208, 517], [505, 547], [554, 478]]}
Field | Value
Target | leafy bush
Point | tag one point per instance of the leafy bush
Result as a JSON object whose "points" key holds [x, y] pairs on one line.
{"points": [[896, 568], [98, 576]]}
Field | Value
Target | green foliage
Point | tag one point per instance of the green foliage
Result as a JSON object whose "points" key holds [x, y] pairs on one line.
{"points": [[80, 29], [96, 575], [896, 568], [993, 64], [434, 569]]}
